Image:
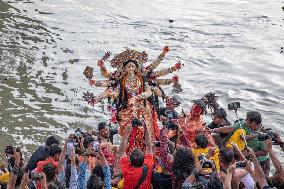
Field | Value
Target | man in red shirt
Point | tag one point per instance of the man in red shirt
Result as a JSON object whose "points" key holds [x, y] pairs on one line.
{"points": [[53, 158], [133, 166]]}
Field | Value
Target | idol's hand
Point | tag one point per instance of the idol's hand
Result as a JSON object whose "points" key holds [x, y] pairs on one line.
{"points": [[133, 100], [100, 63], [175, 79], [166, 49], [92, 82], [178, 65]]}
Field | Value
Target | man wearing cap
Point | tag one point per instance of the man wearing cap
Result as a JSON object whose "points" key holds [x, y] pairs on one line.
{"points": [[192, 123], [219, 120]]}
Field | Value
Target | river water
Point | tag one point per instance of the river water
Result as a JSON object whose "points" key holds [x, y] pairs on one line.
{"points": [[229, 47]]}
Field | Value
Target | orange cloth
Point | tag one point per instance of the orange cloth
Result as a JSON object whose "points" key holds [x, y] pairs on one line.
{"points": [[131, 174], [192, 126]]}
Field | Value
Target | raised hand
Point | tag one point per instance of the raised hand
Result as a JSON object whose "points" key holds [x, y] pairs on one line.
{"points": [[92, 82], [178, 65], [106, 56], [166, 49], [101, 63]]}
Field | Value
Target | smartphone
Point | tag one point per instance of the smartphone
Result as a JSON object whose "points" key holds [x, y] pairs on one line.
{"points": [[96, 145], [35, 176], [241, 164], [234, 106], [69, 147]]}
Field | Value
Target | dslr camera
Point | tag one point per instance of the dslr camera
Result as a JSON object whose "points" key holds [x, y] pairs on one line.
{"points": [[35, 176], [267, 135], [234, 106], [204, 162]]}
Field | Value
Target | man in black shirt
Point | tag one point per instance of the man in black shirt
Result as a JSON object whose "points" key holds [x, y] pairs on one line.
{"points": [[219, 120], [105, 134], [41, 153]]}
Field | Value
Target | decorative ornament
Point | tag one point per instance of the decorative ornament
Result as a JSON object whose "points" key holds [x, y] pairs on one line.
{"points": [[88, 72], [118, 60]]}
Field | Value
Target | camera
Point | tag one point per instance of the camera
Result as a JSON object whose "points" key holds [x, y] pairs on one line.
{"points": [[204, 162], [172, 126], [157, 144], [241, 164], [268, 135], [234, 106], [136, 123], [36, 176]]}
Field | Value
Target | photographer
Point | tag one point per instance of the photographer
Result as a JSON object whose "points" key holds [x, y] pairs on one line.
{"points": [[53, 158], [104, 133], [219, 120], [251, 124], [100, 173], [17, 170], [138, 167], [202, 179], [212, 154], [180, 165]]}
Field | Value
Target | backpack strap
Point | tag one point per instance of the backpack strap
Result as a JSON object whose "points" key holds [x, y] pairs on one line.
{"points": [[143, 176]]}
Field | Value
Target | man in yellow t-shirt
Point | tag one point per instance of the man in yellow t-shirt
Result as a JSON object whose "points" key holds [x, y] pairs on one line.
{"points": [[202, 147]]}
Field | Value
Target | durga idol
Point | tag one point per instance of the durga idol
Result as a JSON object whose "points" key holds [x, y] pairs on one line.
{"points": [[133, 91]]}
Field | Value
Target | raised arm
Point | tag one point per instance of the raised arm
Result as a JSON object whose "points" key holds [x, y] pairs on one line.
{"points": [[158, 60], [148, 140], [167, 71], [100, 83], [277, 164], [122, 149], [259, 174], [226, 129], [101, 64], [164, 81]]}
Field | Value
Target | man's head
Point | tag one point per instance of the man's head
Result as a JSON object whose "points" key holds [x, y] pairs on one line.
{"points": [[226, 156], [253, 120], [103, 130], [220, 116], [201, 141], [214, 182], [136, 158], [51, 140], [50, 172], [54, 151], [198, 108], [183, 162], [94, 182]]}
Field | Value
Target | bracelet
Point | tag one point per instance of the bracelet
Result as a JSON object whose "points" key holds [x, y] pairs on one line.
{"points": [[161, 56], [103, 69]]}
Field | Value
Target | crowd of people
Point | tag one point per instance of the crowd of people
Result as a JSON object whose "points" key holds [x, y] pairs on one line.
{"points": [[159, 148], [188, 154]]}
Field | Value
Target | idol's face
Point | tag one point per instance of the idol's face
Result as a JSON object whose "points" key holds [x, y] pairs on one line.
{"points": [[130, 68]]}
